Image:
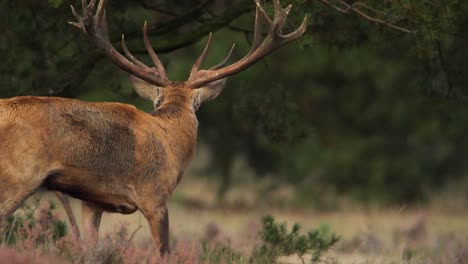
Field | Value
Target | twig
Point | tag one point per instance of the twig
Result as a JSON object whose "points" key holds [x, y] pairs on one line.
{"points": [[135, 231], [345, 8], [369, 8], [12, 227]]}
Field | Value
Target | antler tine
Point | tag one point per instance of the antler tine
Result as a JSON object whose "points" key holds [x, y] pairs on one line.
{"points": [[283, 17], [262, 12], [100, 12], [258, 24], [91, 4], [75, 13], [94, 25], [103, 24], [278, 9], [78, 18], [154, 57], [201, 59], [299, 31], [260, 49], [84, 5], [225, 61], [130, 55], [280, 16]]}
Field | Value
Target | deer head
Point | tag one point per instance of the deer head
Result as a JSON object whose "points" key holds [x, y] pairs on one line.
{"points": [[202, 85]]}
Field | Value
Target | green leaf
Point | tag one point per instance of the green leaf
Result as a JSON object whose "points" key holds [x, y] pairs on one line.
{"points": [[56, 3]]}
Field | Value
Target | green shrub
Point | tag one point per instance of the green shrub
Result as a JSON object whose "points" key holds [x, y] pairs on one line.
{"points": [[277, 242], [218, 253], [33, 223]]}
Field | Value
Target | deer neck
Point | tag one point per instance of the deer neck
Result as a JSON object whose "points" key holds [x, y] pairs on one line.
{"points": [[180, 124]]}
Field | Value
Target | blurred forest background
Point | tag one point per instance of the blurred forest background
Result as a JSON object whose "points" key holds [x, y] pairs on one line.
{"points": [[370, 105]]}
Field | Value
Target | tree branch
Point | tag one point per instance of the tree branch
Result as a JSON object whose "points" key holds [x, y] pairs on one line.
{"points": [[174, 40], [174, 24], [345, 8], [165, 8]]}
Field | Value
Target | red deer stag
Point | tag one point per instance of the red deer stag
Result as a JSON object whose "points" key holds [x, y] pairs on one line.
{"points": [[112, 156]]}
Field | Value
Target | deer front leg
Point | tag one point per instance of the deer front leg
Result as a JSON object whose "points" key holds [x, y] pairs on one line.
{"points": [[158, 220], [91, 216]]}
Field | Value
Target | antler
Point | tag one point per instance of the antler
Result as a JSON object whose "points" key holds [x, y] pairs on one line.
{"points": [[273, 40], [95, 27]]}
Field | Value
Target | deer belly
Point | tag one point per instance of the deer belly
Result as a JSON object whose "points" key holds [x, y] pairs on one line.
{"points": [[104, 196]]}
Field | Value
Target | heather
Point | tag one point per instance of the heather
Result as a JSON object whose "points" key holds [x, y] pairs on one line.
{"points": [[37, 234]]}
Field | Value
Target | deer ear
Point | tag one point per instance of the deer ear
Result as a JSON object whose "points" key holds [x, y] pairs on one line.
{"points": [[209, 91], [146, 90]]}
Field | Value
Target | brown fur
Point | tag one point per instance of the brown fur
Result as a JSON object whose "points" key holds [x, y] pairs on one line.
{"points": [[113, 156]]}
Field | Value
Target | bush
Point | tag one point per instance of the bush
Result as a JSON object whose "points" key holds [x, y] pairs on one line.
{"points": [[33, 223], [277, 241], [218, 253], [35, 232]]}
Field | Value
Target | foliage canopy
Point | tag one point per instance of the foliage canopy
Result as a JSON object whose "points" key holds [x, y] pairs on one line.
{"points": [[372, 105]]}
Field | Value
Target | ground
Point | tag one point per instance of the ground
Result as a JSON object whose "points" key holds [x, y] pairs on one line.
{"points": [[390, 235]]}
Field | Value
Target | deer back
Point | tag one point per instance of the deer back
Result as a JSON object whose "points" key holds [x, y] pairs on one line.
{"points": [[106, 140]]}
